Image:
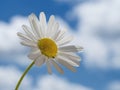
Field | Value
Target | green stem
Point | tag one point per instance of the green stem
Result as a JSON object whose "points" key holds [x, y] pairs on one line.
{"points": [[23, 75]]}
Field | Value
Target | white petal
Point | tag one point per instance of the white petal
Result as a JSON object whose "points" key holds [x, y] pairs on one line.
{"points": [[28, 41], [38, 29], [57, 66], [54, 30], [65, 40], [23, 36], [34, 55], [72, 62], [50, 24], [56, 35], [70, 48], [71, 55], [29, 44], [29, 34], [40, 60], [33, 49], [79, 48], [61, 35], [42, 18], [34, 23], [56, 27], [61, 61], [48, 64]]}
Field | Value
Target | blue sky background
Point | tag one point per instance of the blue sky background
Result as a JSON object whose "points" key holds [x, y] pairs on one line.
{"points": [[95, 25]]}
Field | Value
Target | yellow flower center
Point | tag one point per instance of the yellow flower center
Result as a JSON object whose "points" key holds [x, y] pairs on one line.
{"points": [[48, 47]]}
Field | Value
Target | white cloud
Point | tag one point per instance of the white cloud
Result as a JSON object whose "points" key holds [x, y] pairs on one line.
{"points": [[99, 32], [114, 85], [8, 37], [10, 48], [95, 52], [56, 83], [9, 77], [100, 14]]}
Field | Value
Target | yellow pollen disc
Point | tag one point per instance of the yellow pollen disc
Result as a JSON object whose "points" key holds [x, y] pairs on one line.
{"points": [[48, 47]]}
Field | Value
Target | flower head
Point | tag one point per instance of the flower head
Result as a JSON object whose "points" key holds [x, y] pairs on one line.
{"points": [[49, 44]]}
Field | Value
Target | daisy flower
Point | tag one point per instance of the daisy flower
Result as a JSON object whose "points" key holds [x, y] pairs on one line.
{"points": [[49, 44]]}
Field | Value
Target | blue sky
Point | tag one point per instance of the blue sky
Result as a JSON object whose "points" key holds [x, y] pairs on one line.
{"points": [[95, 26]]}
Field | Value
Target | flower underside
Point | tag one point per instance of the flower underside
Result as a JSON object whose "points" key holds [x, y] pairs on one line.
{"points": [[47, 47]]}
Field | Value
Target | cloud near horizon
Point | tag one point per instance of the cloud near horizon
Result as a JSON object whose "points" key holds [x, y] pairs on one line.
{"points": [[46, 82]]}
